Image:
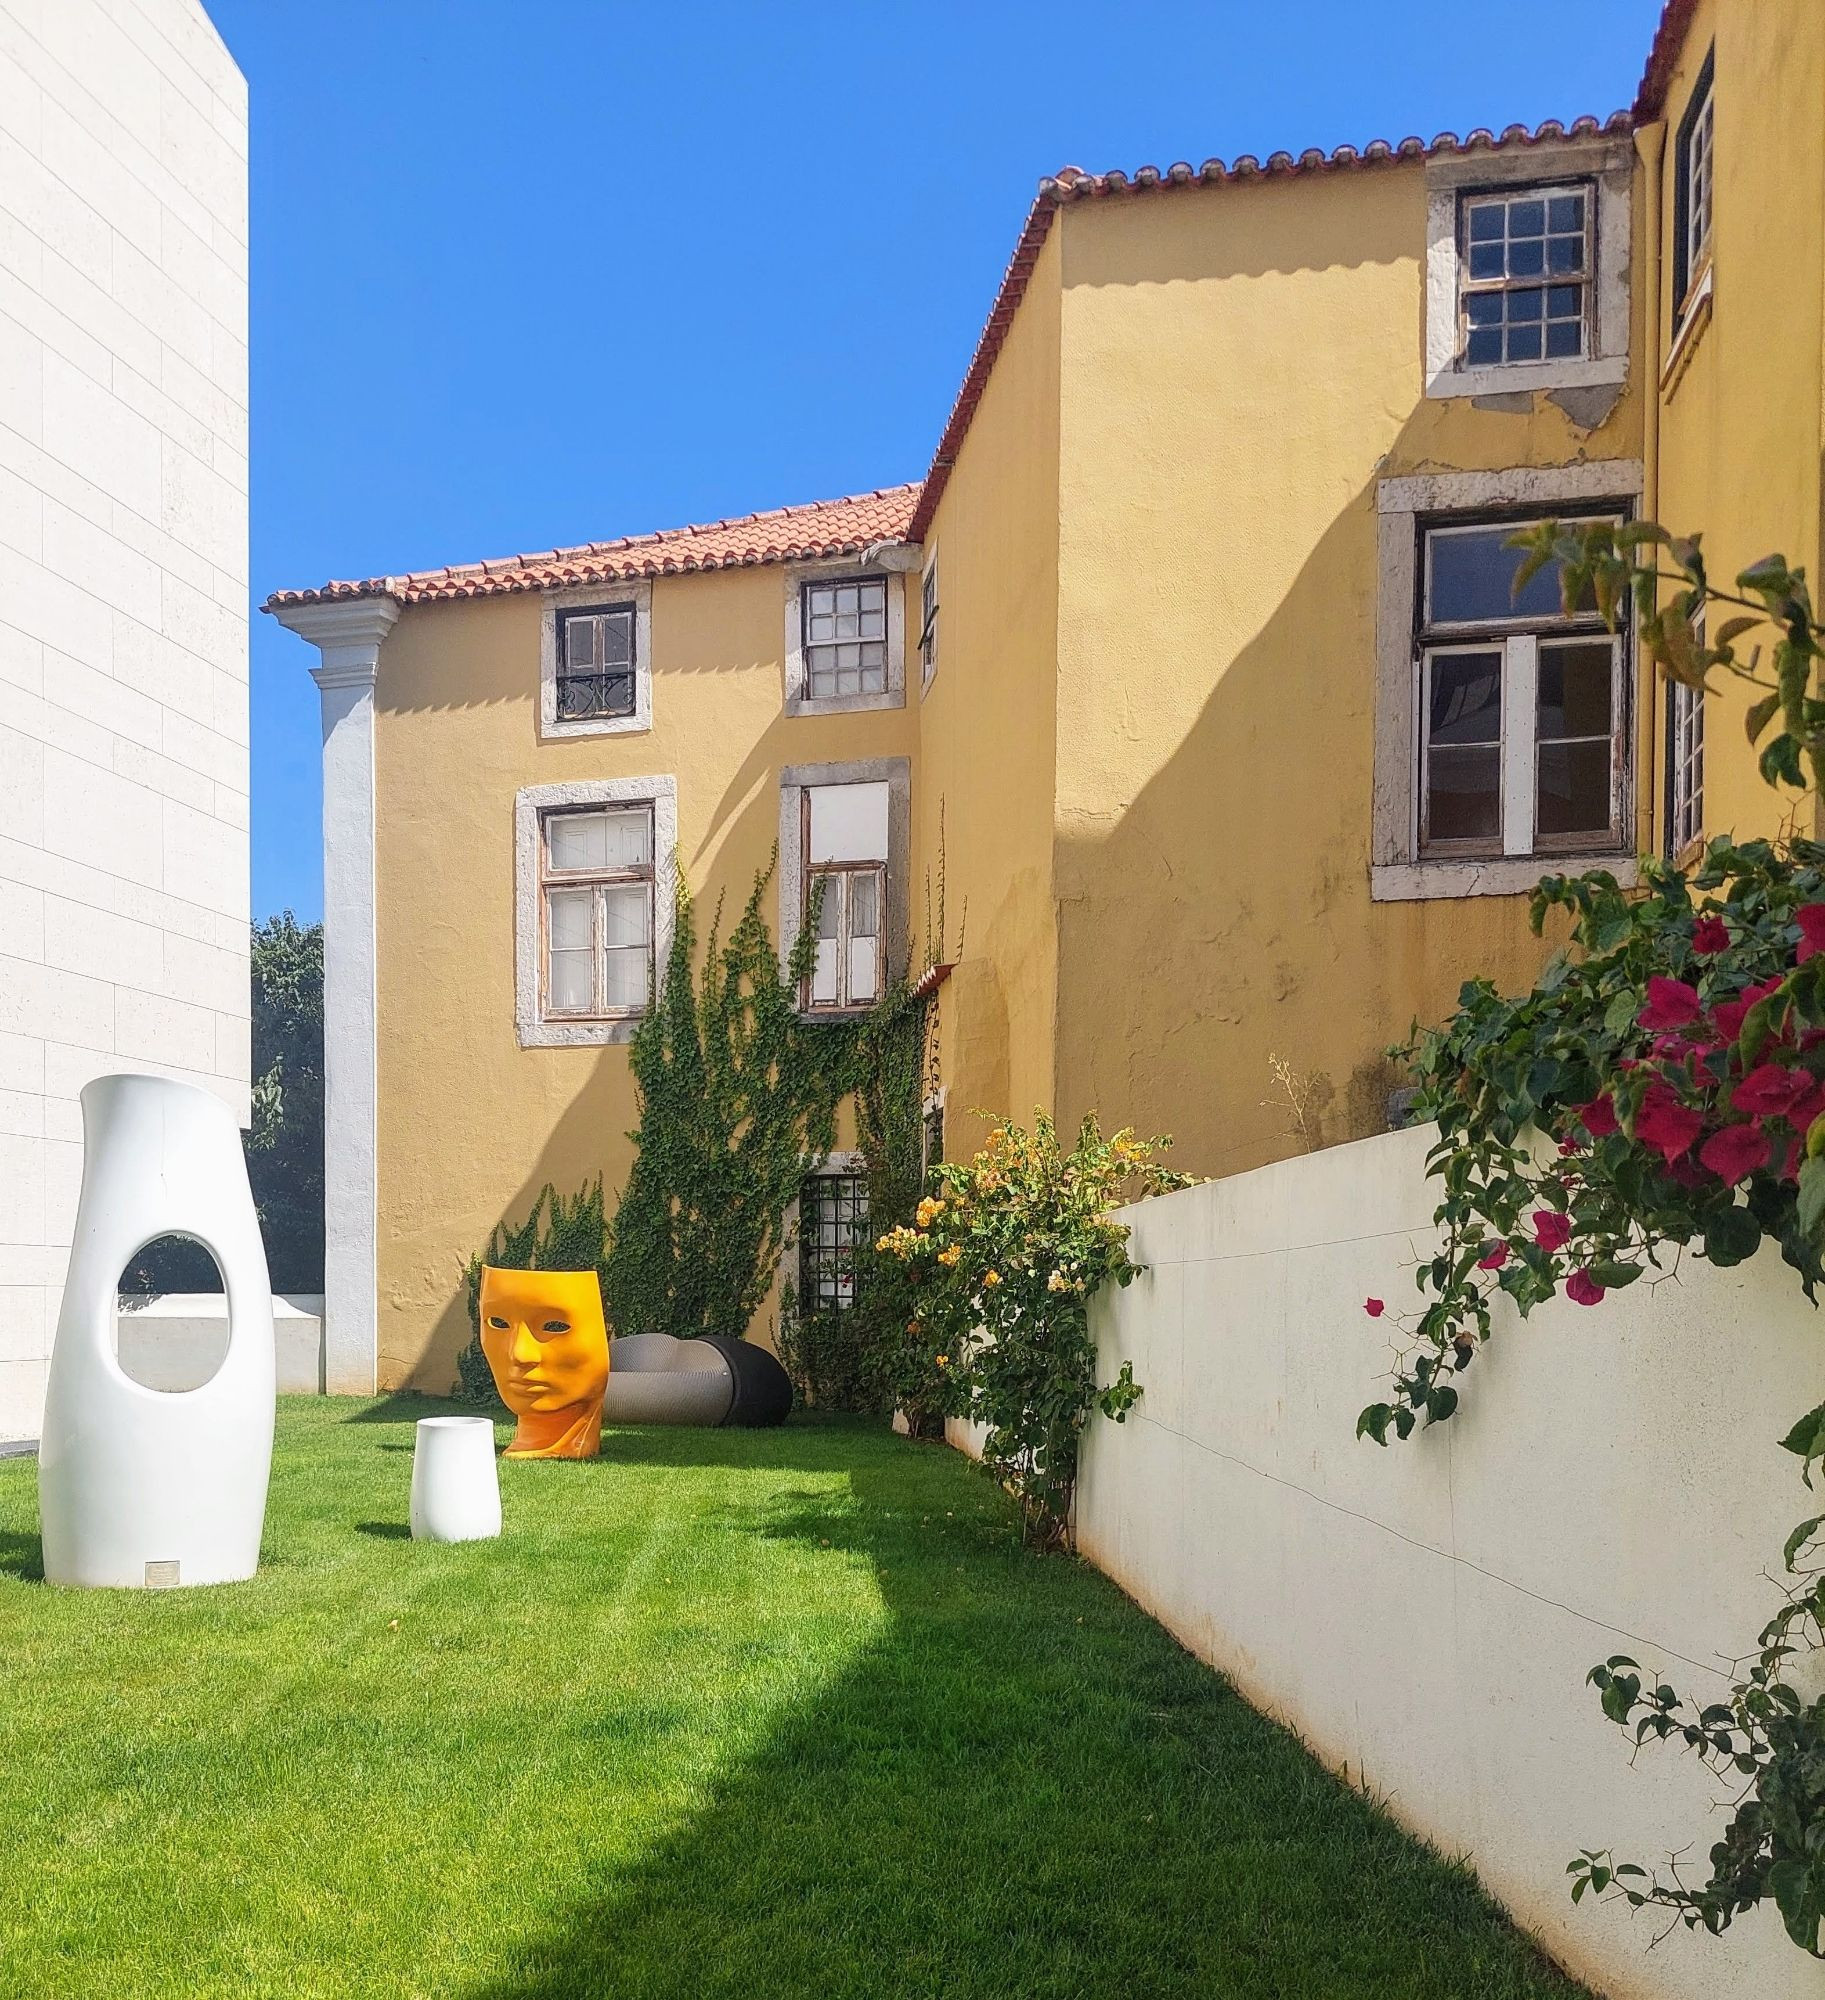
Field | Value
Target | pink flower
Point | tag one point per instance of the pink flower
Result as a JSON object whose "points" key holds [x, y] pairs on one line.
{"points": [[1770, 1090], [1710, 935], [1494, 1257], [1736, 1152], [1552, 1231], [1803, 1110], [1811, 921], [1598, 1117], [1583, 1290], [1374, 1308], [1665, 1124], [1671, 1004], [1727, 1017]]}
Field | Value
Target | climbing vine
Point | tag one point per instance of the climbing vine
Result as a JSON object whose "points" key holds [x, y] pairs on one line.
{"points": [[736, 1091], [1660, 1090]]}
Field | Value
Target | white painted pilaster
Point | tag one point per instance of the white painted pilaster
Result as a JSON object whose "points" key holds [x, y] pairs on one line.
{"points": [[348, 635]]}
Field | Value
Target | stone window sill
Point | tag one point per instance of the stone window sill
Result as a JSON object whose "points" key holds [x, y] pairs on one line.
{"points": [[1441, 881]]}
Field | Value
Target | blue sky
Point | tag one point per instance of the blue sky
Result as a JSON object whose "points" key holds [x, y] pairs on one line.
{"points": [[529, 272]]}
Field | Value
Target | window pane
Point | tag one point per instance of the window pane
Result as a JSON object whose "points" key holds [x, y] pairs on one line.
{"points": [[862, 958], [1486, 222], [1527, 217], [1566, 212], [1574, 789], [570, 981], [824, 973], [1471, 576], [617, 639], [1464, 794], [1528, 259], [1466, 703], [625, 908], [567, 918], [1575, 690], [830, 910], [580, 644], [864, 906], [626, 972], [1524, 343], [577, 840], [627, 838]]}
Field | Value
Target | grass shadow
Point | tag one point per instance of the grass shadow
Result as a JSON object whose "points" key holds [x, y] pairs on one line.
{"points": [[1019, 1788], [21, 1556], [385, 1531]]}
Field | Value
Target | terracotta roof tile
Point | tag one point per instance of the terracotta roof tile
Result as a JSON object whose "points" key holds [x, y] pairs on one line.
{"points": [[785, 534], [1073, 184], [1669, 39]]}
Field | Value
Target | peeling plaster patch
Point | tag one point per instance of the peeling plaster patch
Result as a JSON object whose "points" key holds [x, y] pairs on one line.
{"points": [[1514, 403], [1587, 407]]}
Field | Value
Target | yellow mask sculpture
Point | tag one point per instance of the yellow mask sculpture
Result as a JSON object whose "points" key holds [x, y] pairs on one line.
{"points": [[546, 1341]]}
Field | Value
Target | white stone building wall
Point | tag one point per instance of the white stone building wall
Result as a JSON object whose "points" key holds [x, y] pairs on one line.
{"points": [[123, 598]]}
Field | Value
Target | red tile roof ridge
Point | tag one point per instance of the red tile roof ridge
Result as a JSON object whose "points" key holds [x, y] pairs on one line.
{"points": [[1669, 38], [855, 521]]}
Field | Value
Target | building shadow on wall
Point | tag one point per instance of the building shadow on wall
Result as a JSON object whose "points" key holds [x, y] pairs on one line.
{"points": [[1019, 1788]]}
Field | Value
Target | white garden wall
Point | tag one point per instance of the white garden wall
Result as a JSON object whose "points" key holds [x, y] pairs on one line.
{"points": [[1424, 1616]]}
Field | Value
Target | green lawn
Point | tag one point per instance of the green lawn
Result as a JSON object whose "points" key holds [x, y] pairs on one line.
{"points": [[748, 1714]]}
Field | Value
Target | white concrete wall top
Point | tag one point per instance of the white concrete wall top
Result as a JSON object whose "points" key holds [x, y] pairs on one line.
{"points": [[1425, 1615], [123, 597]]}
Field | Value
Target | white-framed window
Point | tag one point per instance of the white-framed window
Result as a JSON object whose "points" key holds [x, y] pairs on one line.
{"points": [[928, 623], [594, 870], [1694, 185], [1524, 271], [1527, 270], [1501, 722], [596, 903], [845, 638], [595, 661], [843, 831], [843, 841], [1520, 704], [832, 1229], [1686, 759]]}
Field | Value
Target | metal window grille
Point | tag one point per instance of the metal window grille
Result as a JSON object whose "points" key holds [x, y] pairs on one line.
{"points": [[596, 909], [844, 637], [1525, 261], [596, 664], [832, 1223], [1521, 737]]}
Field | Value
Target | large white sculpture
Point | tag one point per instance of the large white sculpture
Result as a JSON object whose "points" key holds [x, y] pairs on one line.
{"points": [[143, 1487]]}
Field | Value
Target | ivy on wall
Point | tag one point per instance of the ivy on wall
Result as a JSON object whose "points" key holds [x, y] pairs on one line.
{"points": [[737, 1091]]}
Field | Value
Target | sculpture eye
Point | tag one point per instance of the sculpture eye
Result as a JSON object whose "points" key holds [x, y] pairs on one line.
{"points": [[494, 1319], [557, 1326]]}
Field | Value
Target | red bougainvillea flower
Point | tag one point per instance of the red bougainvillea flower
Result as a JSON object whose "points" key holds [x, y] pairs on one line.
{"points": [[1811, 921], [1803, 1110], [1710, 935], [1552, 1231], [1665, 1124], [1583, 1290], [1727, 1018], [1770, 1090], [1791, 1156], [1494, 1257], [1374, 1308], [1671, 1004], [1598, 1117], [1736, 1152]]}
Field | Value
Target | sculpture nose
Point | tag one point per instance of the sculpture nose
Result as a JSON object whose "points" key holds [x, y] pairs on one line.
{"points": [[525, 1349]]}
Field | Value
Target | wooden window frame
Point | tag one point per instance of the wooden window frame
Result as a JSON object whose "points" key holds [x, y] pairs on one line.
{"points": [[841, 874], [1686, 760], [597, 879], [1519, 640], [1586, 280], [1692, 258], [810, 648], [928, 624], [571, 614]]}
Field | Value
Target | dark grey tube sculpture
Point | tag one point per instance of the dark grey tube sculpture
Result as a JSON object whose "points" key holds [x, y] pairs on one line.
{"points": [[654, 1378]]}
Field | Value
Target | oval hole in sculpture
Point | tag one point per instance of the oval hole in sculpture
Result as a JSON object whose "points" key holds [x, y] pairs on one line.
{"points": [[171, 1330]]}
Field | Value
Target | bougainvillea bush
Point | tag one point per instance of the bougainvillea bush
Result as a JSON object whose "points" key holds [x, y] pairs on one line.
{"points": [[1659, 1093], [996, 1272]]}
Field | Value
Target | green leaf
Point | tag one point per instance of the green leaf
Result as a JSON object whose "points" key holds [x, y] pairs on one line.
{"points": [[1760, 713], [1799, 1538], [1810, 1210], [1374, 1422], [1780, 762], [1732, 1237]]}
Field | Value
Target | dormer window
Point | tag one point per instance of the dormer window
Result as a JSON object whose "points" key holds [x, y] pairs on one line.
{"points": [[845, 638], [596, 661]]}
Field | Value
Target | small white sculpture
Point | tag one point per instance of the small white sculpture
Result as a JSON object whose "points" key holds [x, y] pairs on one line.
{"points": [[137, 1487], [456, 1487]]}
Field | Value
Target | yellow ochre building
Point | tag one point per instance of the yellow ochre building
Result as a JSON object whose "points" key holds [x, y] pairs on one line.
{"points": [[1194, 652]]}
